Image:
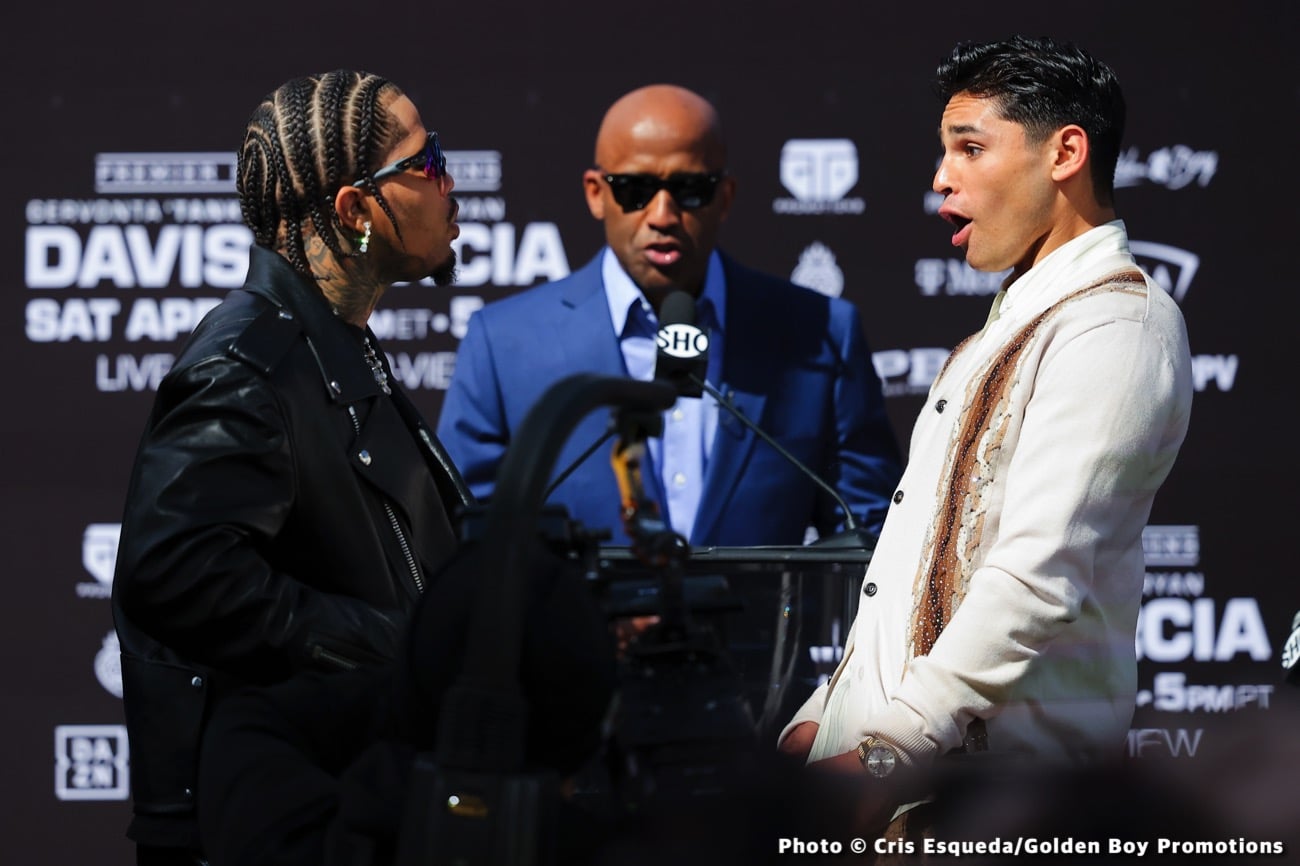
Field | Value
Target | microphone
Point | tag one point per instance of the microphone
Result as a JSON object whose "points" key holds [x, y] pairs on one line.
{"points": [[683, 361], [682, 350], [1291, 653], [682, 356]]}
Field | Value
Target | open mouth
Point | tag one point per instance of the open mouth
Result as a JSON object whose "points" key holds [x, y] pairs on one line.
{"points": [[663, 255], [961, 224]]}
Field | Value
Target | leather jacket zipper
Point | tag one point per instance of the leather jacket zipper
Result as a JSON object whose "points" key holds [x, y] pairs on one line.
{"points": [[392, 521], [319, 653]]}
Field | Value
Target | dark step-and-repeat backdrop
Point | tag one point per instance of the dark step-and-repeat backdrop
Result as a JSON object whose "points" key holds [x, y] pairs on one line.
{"points": [[120, 229]]}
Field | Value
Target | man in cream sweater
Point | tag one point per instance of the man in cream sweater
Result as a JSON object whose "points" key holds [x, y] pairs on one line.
{"points": [[999, 610]]}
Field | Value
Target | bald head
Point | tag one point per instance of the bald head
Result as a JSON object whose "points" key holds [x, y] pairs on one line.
{"points": [[663, 146], [658, 118]]}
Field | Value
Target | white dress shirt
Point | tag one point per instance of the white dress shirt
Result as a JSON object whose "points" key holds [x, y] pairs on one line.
{"points": [[682, 457]]}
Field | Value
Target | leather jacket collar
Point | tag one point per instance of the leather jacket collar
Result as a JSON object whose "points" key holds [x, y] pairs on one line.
{"points": [[333, 341]]}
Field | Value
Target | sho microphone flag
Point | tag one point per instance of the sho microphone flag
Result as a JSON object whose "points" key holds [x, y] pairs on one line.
{"points": [[682, 356]]}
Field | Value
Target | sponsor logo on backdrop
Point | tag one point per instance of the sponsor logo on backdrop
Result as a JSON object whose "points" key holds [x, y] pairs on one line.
{"points": [[475, 170], [1217, 370], [817, 270], [819, 173], [1171, 545], [171, 222], [158, 173], [99, 558], [91, 762], [117, 173], [908, 372], [108, 665], [953, 277], [1171, 167]]}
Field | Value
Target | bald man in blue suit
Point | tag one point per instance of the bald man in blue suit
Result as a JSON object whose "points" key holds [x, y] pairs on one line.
{"points": [[790, 359]]}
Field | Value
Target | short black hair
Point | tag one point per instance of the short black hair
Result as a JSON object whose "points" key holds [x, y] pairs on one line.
{"points": [[1043, 85]]}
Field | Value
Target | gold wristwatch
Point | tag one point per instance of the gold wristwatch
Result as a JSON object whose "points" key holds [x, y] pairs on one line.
{"points": [[878, 757]]}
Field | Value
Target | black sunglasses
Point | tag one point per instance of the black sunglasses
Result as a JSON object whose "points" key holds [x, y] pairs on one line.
{"points": [[690, 191], [431, 159]]}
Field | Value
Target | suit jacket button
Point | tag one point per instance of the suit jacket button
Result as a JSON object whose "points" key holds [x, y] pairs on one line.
{"points": [[898, 496], [938, 407], [869, 590]]}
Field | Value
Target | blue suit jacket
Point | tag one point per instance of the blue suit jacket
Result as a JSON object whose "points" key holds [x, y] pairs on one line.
{"points": [[794, 361]]}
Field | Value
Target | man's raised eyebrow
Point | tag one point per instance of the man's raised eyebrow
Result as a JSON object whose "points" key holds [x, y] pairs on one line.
{"points": [[959, 129]]}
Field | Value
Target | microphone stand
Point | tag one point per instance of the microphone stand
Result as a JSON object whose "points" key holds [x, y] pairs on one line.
{"points": [[559, 479], [852, 535]]}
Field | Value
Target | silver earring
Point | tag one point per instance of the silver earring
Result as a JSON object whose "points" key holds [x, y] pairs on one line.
{"points": [[364, 239]]}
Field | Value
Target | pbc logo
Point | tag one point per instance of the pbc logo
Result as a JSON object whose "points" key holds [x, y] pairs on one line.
{"points": [[907, 372], [819, 173], [680, 340], [91, 762]]}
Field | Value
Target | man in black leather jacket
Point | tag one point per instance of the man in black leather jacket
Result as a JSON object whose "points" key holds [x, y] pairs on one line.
{"points": [[287, 504]]}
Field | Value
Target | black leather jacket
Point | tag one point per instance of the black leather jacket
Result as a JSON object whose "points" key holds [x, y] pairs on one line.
{"points": [[283, 515]]}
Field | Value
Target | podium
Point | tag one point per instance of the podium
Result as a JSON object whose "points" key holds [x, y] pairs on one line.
{"points": [[783, 612]]}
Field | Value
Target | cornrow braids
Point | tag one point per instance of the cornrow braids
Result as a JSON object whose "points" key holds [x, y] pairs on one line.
{"points": [[370, 118], [305, 140]]}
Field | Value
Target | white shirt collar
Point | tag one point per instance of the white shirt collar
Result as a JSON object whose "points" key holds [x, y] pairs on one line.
{"points": [[621, 292], [1078, 262]]}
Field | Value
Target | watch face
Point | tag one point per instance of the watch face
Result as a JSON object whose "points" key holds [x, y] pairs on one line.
{"points": [[880, 761]]}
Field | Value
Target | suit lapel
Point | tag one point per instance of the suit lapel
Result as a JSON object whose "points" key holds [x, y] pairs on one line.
{"points": [[585, 311]]}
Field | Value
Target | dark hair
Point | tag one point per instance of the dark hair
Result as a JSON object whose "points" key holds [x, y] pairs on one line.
{"points": [[1044, 85], [309, 137]]}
